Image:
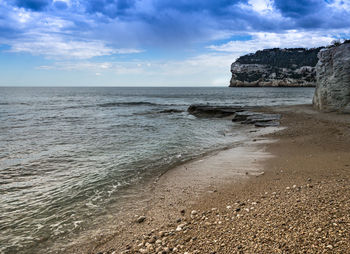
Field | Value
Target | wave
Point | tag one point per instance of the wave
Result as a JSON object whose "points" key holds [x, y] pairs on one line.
{"points": [[137, 103], [13, 103], [132, 103], [154, 112]]}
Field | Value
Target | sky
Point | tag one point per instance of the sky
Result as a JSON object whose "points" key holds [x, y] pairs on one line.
{"points": [[153, 42]]}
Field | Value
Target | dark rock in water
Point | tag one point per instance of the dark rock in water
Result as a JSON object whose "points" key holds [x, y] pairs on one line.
{"points": [[262, 118], [259, 119], [267, 124], [171, 111], [213, 110], [242, 116]]}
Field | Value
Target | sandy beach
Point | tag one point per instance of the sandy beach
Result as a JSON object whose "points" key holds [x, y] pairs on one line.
{"points": [[281, 192]]}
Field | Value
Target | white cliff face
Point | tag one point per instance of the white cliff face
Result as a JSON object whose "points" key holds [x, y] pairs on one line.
{"points": [[333, 79], [276, 67], [267, 75]]}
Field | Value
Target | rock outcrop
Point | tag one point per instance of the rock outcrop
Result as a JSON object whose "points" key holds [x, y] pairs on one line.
{"points": [[238, 114], [276, 67], [333, 79]]}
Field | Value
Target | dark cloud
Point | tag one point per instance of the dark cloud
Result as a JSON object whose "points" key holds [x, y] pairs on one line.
{"points": [[206, 7], [110, 8], [299, 8], [60, 5], [313, 14], [35, 5], [140, 23]]}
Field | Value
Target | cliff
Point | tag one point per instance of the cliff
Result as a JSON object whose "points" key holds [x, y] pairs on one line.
{"points": [[333, 79], [276, 67]]}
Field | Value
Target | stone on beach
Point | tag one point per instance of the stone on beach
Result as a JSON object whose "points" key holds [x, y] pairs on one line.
{"points": [[141, 219]]}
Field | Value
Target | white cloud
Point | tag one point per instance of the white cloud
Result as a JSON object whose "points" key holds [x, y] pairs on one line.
{"points": [[341, 5], [78, 66], [260, 40], [261, 5], [58, 48]]}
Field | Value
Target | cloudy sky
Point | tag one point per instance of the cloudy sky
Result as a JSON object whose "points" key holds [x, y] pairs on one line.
{"points": [[153, 42]]}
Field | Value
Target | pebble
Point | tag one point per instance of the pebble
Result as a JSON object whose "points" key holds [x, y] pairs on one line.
{"points": [[141, 219]]}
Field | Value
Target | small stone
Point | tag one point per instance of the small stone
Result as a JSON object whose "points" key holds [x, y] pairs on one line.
{"points": [[141, 219], [194, 212], [329, 246]]}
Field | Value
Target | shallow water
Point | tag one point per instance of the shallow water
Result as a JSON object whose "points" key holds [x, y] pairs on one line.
{"points": [[71, 155]]}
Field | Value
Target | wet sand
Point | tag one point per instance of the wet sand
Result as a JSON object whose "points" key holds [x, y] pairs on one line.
{"points": [[282, 192]]}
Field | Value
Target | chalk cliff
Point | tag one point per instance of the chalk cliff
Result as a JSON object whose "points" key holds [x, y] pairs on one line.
{"points": [[276, 67], [333, 79]]}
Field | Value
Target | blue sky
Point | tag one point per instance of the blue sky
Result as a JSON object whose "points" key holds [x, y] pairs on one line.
{"points": [[153, 42]]}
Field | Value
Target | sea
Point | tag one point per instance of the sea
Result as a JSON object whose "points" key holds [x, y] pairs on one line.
{"points": [[70, 158]]}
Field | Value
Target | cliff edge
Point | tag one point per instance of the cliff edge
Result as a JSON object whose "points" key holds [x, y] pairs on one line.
{"points": [[276, 67], [333, 79]]}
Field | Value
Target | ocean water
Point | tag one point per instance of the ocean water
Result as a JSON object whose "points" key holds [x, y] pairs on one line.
{"points": [[70, 156]]}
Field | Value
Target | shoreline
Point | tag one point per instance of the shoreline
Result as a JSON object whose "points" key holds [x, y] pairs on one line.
{"points": [[288, 170], [177, 187]]}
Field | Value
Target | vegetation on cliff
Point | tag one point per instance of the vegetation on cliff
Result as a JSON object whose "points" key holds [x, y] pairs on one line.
{"points": [[276, 67], [291, 58]]}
